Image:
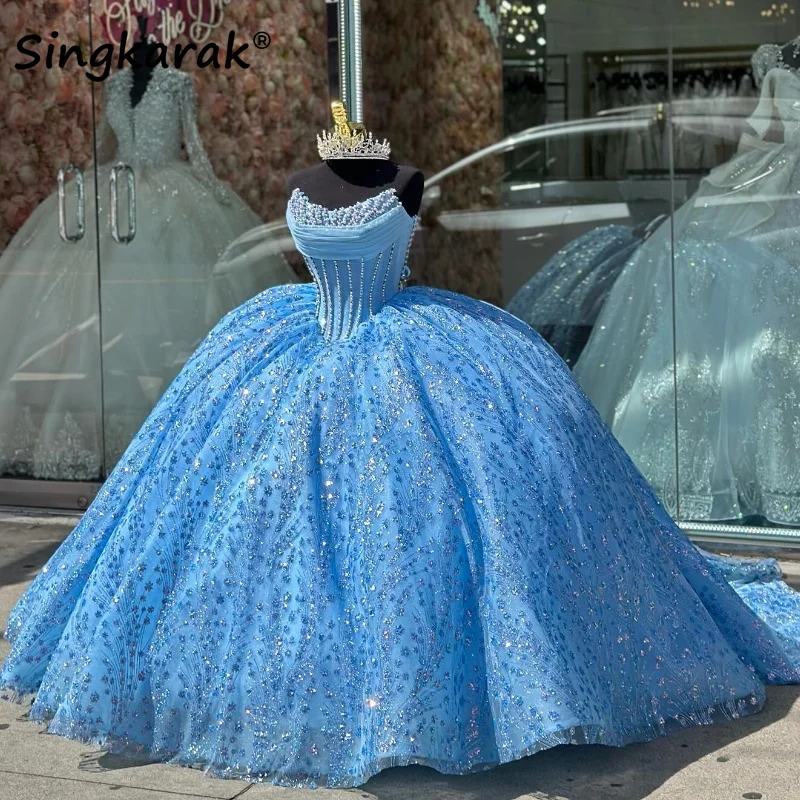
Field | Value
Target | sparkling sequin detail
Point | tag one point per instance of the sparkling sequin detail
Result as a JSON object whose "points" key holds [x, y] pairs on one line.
{"points": [[418, 544], [736, 289], [151, 132], [563, 299]]}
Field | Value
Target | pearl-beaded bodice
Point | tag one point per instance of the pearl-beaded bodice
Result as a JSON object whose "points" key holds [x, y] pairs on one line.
{"points": [[357, 256]]}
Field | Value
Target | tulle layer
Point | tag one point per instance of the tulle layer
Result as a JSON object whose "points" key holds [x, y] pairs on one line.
{"points": [[156, 296], [416, 545]]}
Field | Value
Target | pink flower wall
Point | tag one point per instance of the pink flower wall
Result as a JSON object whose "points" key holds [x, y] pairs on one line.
{"points": [[45, 114], [258, 125], [433, 86]]}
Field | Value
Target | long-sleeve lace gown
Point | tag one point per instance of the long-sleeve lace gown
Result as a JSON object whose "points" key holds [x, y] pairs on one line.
{"points": [[64, 328]]}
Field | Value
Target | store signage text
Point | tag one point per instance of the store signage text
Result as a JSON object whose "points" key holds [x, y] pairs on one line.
{"points": [[194, 19]]}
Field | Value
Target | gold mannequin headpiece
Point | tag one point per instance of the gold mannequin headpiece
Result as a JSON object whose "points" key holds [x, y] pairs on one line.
{"points": [[349, 139]]}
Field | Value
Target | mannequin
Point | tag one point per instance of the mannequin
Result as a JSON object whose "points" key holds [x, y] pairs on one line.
{"points": [[355, 168], [342, 182], [790, 55], [789, 59], [142, 63]]}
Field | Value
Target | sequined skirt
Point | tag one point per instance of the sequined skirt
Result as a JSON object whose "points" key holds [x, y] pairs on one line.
{"points": [[420, 544]]}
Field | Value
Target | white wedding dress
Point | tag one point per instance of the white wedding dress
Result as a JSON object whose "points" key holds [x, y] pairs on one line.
{"points": [[735, 359], [67, 335]]}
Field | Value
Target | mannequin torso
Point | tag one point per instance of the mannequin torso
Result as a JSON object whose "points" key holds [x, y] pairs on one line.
{"points": [[141, 78], [789, 59], [143, 54], [344, 182]]}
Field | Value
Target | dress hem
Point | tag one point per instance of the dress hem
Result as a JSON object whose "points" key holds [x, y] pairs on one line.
{"points": [[81, 731]]}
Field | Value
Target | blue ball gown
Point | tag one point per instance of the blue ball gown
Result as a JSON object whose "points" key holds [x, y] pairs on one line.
{"points": [[368, 527]]}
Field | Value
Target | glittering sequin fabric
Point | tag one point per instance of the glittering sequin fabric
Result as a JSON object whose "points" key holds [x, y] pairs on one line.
{"points": [[324, 555], [730, 377]]}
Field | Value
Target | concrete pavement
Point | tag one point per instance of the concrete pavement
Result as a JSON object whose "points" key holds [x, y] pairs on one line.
{"points": [[757, 758]]}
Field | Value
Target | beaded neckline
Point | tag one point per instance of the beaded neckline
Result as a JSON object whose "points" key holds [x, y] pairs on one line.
{"points": [[125, 79], [770, 56], [361, 213]]}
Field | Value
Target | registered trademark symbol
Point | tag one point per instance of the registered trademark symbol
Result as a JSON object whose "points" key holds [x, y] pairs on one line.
{"points": [[262, 40]]}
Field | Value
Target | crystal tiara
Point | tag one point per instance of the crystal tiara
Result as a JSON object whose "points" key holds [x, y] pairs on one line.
{"points": [[349, 139]]}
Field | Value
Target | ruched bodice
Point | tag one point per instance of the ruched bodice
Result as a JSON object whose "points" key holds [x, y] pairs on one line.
{"points": [[357, 256]]}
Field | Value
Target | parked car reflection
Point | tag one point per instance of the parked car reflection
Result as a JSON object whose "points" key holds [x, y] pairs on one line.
{"points": [[492, 222]]}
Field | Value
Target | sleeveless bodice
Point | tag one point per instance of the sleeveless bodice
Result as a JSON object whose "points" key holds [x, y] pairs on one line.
{"points": [[357, 256]]}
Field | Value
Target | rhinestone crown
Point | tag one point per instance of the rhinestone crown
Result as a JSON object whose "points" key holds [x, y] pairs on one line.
{"points": [[349, 139]]}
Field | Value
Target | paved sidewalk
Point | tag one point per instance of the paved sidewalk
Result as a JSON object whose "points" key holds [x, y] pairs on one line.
{"points": [[755, 758]]}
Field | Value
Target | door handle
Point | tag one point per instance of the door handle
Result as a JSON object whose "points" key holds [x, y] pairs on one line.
{"points": [[113, 178], [531, 236], [535, 239], [62, 203]]}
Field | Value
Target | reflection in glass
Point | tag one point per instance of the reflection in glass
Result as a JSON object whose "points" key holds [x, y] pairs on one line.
{"points": [[45, 147], [563, 299], [736, 347], [159, 292], [569, 225]]}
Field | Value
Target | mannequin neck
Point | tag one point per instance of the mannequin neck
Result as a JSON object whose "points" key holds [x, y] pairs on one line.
{"points": [[344, 182], [142, 70], [790, 54]]}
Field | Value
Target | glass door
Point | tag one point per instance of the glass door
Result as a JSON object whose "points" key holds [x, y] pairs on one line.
{"points": [[735, 267], [51, 427], [199, 150]]}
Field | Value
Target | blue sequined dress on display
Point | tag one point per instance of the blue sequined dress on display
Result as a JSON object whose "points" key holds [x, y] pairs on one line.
{"points": [[368, 527]]}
